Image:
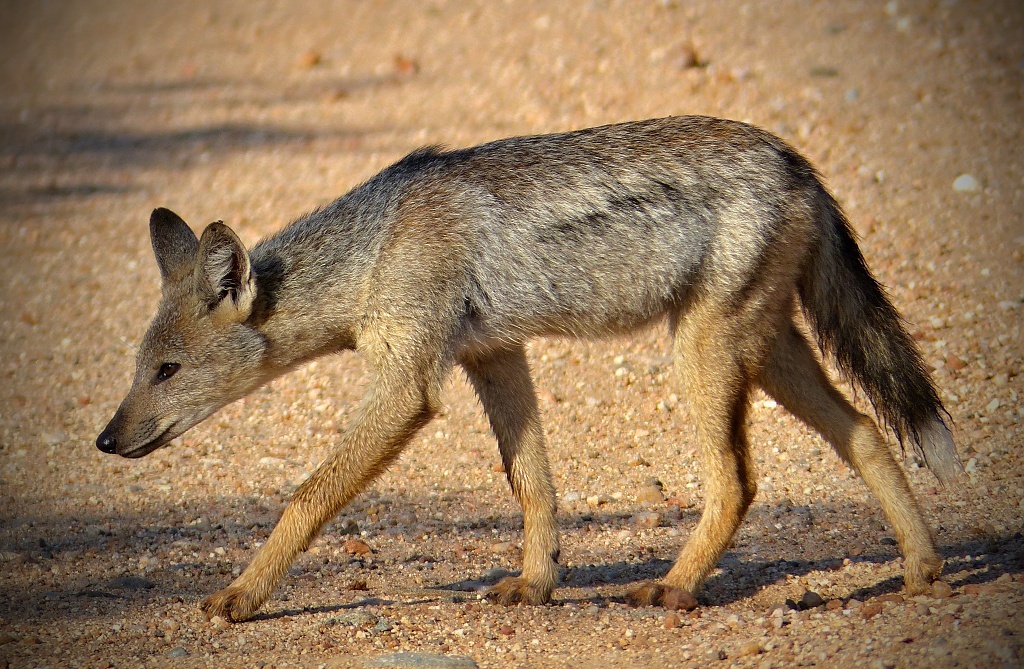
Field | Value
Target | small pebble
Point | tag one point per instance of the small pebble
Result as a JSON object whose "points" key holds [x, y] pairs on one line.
{"points": [[356, 547], [748, 648], [405, 65], [650, 494], [335, 95], [672, 620], [687, 57], [53, 438], [941, 590], [502, 547], [352, 527], [870, 610], [955, 363], [353, 619], [810, 600], [310, 59], [965, 183], [646, 519]]}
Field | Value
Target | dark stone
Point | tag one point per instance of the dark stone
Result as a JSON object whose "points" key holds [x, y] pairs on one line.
{"points": [[810, 600]]}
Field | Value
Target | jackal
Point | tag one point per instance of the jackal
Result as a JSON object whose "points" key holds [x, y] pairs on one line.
{"points": [[460, 257]]}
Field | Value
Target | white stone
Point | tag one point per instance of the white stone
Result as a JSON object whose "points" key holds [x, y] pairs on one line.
{"points": [[965, 183]]}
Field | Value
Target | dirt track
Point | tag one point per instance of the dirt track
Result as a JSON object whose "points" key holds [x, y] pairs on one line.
{"points": [[253, 113]]}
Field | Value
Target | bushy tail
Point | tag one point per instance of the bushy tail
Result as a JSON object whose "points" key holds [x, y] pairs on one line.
{"points": [[857, 324]]}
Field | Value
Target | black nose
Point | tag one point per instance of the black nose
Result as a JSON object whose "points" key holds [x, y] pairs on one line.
{"points": [[106, 442]]}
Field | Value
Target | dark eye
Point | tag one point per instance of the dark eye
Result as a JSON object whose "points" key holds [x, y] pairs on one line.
{"points": [[167, 370]]}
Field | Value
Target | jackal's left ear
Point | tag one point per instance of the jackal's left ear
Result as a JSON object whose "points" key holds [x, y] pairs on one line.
{"points": [[174, 244], [223, 274]]}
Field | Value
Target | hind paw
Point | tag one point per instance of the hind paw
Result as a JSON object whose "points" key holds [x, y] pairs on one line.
{"points": [[518, 590], [919, 575], [659, 594]]}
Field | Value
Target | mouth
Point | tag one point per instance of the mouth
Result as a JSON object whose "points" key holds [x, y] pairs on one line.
{"points": [[150, 446]]}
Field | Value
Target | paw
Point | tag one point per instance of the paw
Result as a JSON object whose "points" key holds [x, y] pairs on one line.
{"points": [[913, 588], [232, 603], [918, 576], [926, 586], [518, 590], [658, 594]]}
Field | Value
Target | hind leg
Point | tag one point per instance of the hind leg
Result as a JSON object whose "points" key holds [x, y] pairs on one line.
{"points": [[717, 385], [794, 377]]}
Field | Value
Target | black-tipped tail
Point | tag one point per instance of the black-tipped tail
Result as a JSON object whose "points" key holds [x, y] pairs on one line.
{"points": [[857, 324]]}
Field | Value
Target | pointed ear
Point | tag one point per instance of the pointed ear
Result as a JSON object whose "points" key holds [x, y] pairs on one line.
{"points": [[223, 274], [174, 244]]}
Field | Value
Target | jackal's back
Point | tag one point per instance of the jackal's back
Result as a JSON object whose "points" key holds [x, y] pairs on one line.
{"points": [[607, 228], [579, 233]]}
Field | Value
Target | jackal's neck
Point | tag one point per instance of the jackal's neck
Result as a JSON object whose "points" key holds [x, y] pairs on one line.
{"points": [[309, 279]]}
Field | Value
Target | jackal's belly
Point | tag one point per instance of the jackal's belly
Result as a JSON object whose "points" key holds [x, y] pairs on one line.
{"points": [[581, 307]]}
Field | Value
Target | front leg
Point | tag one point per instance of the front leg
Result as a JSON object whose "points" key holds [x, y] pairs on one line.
{"points": [[502, 381], [395, 408]]}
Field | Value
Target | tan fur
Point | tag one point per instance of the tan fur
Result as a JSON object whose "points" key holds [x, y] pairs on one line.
{"points": [[796, 380], [459, 258], [502, 381]]}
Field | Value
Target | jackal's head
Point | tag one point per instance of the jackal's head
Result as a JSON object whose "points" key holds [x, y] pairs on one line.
{"points": [[199, 354]]}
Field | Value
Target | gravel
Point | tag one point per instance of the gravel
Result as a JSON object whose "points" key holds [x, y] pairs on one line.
{"points": [[420, 661], [256, 113]]}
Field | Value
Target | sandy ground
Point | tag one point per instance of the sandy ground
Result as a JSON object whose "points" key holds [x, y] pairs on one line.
{"points": [[254, 112]]}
